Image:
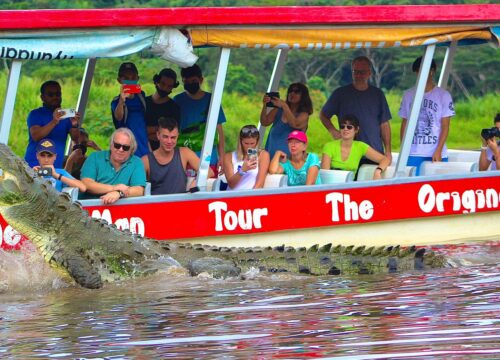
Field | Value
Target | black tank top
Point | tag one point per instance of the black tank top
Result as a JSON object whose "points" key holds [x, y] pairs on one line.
{"points": [[169, 178]]}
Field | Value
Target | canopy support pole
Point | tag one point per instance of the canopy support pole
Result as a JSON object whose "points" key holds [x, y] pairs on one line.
{"points": [[447, 65], [83, 98], [279, 66], [10, 100], [213, 116], [411, 125]]}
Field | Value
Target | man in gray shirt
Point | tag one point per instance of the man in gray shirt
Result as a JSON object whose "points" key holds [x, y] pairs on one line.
{"points": [[367, 103]]}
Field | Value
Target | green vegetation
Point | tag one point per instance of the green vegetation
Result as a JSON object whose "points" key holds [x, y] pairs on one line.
{"points": [[472, 114]]}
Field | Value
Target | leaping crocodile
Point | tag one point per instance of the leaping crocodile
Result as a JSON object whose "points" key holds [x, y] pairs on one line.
{"points": [[91, 251]]}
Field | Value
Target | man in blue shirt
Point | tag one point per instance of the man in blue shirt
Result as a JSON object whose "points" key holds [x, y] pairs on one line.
{"points": [[129, 107], [116, 173], [50, 122], [194, 104]]}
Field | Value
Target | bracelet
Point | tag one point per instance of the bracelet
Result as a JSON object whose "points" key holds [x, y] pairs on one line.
{"points": [[240, 171], [59, 178], [379, 168], [484, 148]]}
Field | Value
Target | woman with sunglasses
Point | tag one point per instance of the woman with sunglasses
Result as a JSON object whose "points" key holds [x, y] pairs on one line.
{"points": [[345, 153], [302, 168], [286, 116], [246, 168]]}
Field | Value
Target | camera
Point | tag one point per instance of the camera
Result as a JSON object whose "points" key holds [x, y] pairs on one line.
{"points": [[132, 88], [272, 94], [252, 154], [44, 171], [490, 133], [67, 113], [82, 147]]}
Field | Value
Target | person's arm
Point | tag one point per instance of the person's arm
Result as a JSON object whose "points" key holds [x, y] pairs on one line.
{"points": [[39, 132], [75, 156], [233, 178], [326, 161], [69, 181], [135, 191], [484, 162], [264, 161], [443, 135], [381, 159], [312, 175], [327, 123], [267, 118], [145, 161], [97, 188], [119, 111], [92, 144], [297, 122], [385, 132], [404, 123], [275, 166]]}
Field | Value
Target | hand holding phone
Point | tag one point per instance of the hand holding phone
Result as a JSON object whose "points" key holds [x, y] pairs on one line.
{"points": [[272, 95], [131, 88], [67, 113]]}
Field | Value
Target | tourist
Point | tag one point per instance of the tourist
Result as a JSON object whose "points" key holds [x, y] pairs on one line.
{"points": [[285, 116], [246, 168], [78, 154], [490, 149], [302, 168], [346, 153], [52, 122], [116, 173]]}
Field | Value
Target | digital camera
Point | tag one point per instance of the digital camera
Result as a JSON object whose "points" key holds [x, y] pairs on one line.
{"points": [[67, 113], [44, 171], [82, 147], [252, 153], [490, 133], [272, 95]]}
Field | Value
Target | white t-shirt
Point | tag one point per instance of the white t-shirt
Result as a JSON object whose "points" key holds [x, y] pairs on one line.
{"points": [[248, 180], [437, 104]]}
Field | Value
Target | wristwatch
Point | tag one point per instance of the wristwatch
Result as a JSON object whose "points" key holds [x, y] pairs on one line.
{"points": [[122, 194]]}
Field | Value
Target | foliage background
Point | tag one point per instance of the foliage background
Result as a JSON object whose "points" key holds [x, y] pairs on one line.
{"points": [[473, 82]]}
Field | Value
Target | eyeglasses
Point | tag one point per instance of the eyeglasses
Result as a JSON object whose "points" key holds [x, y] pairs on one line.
{"points": [[345, 126], [52, 94], [118, 146], [296, 91], [250, 131]]}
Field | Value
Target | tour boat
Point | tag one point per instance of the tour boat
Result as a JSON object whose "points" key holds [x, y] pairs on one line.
{"points": [[449, 203]]}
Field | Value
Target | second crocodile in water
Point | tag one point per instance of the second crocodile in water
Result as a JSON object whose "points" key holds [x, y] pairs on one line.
{"points": [[91, 251]]}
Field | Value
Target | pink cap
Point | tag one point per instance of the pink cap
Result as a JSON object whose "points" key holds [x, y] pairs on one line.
{"points": [[298, 135]]}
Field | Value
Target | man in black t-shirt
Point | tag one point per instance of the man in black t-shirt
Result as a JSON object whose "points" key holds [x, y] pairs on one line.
{"points": [[160, 104]]}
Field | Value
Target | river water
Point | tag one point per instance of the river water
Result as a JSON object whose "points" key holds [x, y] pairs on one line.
{"points": [[451, 313]]}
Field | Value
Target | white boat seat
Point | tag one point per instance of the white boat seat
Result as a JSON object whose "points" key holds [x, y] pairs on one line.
{"points": [[366, 171], [72, 192], [275, 181], [463, 155], [335, 176], [455, 167], [147, 189]]}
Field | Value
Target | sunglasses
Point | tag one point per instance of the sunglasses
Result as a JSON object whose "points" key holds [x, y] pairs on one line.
{"points": [[118, 146], [52, 94], [250, 131], [296, 91], [345, 126]]}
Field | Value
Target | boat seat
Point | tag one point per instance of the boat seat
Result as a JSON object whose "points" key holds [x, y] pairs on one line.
{"points": [[147, 189], [335, 176], [72, 192], [276, 181], [366, 171], [463, 155], [455, 167]]}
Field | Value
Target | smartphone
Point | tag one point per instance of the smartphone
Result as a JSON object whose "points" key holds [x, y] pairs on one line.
{"points": [[67, 113], [132, 88], [272, 94], [44, 171], [252, 154]]}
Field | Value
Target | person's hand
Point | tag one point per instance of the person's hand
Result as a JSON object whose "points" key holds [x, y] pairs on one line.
{"points": [[377, 175], [388, 155], [56, 115], [75, 121], [335, 133], [277, 102], [110, 198], [492, 144], [266, 99], [124, 94], [282, 156], [249, 164], [437, 156]]}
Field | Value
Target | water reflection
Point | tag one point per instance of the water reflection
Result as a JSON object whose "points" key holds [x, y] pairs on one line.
{"points": [[449, 313]]}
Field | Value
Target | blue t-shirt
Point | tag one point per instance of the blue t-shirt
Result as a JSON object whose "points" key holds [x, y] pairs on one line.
{"points": [[369, 106], [299, 176], [194, 115], [135, 120], [278, 135], [98, 167], [58, 184], [59, 134]]}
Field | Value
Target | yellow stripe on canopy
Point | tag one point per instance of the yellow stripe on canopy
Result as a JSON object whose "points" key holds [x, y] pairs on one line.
{"points": [[342, 38]]}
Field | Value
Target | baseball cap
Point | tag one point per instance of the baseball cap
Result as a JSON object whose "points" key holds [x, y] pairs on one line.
{"points": [[298, 135], [127, 66], [46, 145]]}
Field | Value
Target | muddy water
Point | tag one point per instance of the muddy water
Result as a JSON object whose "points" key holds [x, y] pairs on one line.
{"points": [[448, 313]]}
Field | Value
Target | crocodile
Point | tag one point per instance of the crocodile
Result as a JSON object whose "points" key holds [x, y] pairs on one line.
{"points": [[91, 251]]}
